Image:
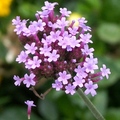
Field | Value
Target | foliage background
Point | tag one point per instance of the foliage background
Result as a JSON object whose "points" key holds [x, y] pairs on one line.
{"points": [[104, 18]]}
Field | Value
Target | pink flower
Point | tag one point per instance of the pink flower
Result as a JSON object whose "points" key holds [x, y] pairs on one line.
{"points": [[62, 23], [91, 64], [87, 51], [80, 71], [30, 104], [105, 71], [90, 88], [63, 77], [49, 6], [58, 85], [55, 48], [53, 56], [16, 21], [70, 89], [78, 81], [22, 57], [85, 38], [40, 25], [18, 80], [65, 12], [45, 50], [33, 63], [29, 80], [30, 48]]}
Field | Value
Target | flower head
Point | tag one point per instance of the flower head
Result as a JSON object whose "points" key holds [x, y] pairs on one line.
{"points": [[55, 48]]}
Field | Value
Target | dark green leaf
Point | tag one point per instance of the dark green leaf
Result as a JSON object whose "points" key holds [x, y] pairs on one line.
{"points": [[113, 114], [48, 109], [109, 32], [16, 113], [101, 106]]}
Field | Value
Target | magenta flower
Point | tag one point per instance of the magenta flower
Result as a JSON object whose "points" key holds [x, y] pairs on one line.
{"points": [[30, 104]]}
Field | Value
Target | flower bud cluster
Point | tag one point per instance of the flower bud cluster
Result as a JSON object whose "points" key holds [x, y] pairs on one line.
{"points": [[55, 47]]}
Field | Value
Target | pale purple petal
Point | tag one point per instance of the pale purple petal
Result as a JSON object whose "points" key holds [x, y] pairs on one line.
{"points": [[105, 71], [70, 89]]}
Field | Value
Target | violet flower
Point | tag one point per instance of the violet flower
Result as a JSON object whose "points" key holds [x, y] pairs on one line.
{"points": [[55, 48], [30, 104]]}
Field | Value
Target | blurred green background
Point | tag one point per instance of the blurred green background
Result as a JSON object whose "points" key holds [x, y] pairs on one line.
{"points": [[104, 18]]}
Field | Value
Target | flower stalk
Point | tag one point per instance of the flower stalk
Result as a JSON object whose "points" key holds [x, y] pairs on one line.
{"points": [[90, 105]]}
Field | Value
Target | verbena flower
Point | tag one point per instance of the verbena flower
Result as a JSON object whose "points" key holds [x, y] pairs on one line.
{"points": [[30, 104], [56, 48]]}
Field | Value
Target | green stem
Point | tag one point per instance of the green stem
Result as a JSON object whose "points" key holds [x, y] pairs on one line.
{"points": [[90, 105]]}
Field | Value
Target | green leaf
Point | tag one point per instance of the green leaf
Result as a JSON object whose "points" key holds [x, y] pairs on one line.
{"points": [[113, 114], [16, 113], [48, 109], [109, 32], [66, 107], [3, 51], [96, 4], [4, 100], [101, 106], [28, 10]]}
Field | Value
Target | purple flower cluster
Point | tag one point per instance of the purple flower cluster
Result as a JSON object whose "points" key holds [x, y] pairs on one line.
{"points": [[55, 47]]}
